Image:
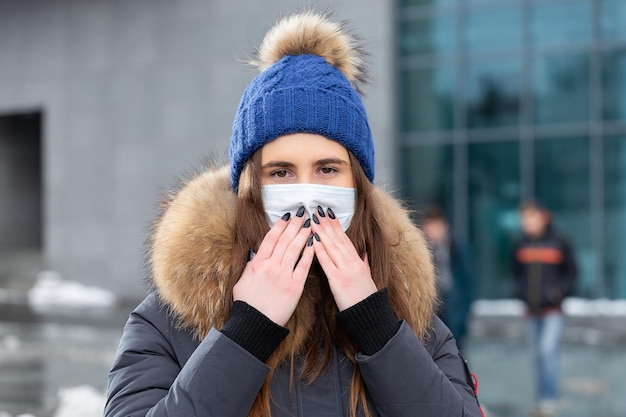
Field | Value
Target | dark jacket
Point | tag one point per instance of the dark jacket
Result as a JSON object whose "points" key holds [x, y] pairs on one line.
{"points": [[160, 370], [175, 358], [457, 301], [544, 270]]}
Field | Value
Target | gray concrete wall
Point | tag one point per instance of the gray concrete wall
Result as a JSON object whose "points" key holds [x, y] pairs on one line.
{"points": [[134, 94]]}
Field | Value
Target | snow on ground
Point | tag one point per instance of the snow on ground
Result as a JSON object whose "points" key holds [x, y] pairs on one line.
{"points": [[51, 291], [497, 308], [596, 307], [81, 401], [600, 307]]}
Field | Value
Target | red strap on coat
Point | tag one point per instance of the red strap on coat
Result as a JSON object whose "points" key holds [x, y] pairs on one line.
{"points": [[475, 386]]}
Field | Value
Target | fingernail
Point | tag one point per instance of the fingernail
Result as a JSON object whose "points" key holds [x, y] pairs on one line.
{"points": [[300, 212], [320, 210], [315, 219], [317, 237], [286, 216], [309, 241], [250, 255], [331, 213], [307, 223]]}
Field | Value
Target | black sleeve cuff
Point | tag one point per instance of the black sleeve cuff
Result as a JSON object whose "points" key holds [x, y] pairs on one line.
{"points": [[253, 331], [370, 323]]}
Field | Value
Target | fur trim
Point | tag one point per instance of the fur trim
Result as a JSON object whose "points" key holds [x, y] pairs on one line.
{"points": [[190, 251], [314, 34], [190, 256]]}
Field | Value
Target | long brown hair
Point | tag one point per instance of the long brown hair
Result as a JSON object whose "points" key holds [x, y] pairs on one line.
{"points": [[307, 335]]}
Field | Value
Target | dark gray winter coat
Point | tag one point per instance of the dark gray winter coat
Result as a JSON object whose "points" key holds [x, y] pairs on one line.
{"points": [[172, 360]]}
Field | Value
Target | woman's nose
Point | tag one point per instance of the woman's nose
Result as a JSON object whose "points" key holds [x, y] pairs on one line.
{"points": [[304, 178]]}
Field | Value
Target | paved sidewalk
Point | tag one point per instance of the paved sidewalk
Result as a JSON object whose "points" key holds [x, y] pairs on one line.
{"points": [[592, 364]]}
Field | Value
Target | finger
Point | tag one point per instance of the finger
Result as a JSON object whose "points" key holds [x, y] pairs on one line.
{"points": [[294, 250], [271, 238], [286, 241], [327, 244], [327, 264], [337, 229], [337, 244], [301, 271], [331, 226]]}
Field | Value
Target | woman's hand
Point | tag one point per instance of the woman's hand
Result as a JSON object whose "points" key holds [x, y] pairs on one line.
{"points": [[348, 275], [273, 281]]}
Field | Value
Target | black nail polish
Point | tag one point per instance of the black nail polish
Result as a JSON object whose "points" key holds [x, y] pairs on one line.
{"points": [[320, 210], [250, 255], [286, 216], [317, 237], [307, 223], [309, 241], [331, 213], [315, 219], [300, 212]]}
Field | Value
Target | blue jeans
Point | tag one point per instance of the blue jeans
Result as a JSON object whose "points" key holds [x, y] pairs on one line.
{"points": [[545, 337]]}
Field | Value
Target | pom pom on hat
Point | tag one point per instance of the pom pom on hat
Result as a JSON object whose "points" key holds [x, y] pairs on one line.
{"points": [[312, 70]]}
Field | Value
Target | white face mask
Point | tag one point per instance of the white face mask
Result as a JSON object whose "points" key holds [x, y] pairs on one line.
{"points": [[279, 199]]}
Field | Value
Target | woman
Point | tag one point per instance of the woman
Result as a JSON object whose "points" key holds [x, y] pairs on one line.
{"points": [[287, 284]]}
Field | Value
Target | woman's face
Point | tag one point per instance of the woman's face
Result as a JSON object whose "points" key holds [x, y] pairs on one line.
{"points": [[305, 158]]}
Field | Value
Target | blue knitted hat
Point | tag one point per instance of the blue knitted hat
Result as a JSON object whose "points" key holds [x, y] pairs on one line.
{"points": [[311, 70]]}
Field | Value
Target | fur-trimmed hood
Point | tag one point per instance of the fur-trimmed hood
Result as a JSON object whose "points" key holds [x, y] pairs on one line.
{"points": [[189, 254]]}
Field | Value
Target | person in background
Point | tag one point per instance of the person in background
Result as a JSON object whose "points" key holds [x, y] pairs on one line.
{"points": [[286, 283], [544, 271], [454, 271]]}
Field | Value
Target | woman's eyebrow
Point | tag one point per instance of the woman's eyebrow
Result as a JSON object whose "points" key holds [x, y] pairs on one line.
{"points": [[327, 161], [277, 164]]}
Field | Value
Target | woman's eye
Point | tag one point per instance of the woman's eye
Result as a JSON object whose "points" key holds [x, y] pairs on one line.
{"points": [[327, 170], [280, 173]]}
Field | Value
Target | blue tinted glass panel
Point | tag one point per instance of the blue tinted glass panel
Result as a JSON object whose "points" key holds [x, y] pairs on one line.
{"points": [[614, 85], [481, 2], [561, 23], [494, 192], [561, 88], [613, 18], [427, 2], [562, 184], [428, 173], [493, 93], [427, 99], [615, 217], [493, 29], [429, 36]]}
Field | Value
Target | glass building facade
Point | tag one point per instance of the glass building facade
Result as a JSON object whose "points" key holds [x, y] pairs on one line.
{"points": [[504, 100]]}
